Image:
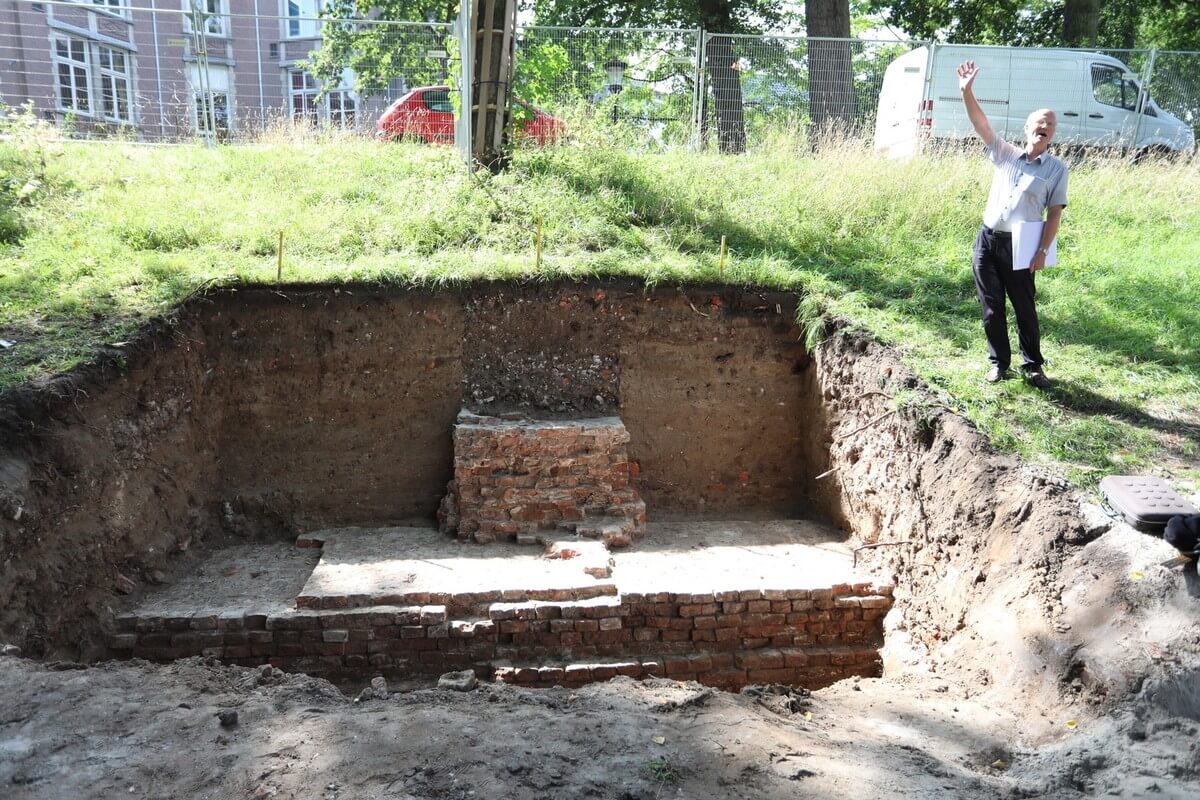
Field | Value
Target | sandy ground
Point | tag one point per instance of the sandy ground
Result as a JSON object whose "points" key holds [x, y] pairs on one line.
{"points": [[136, 730]]}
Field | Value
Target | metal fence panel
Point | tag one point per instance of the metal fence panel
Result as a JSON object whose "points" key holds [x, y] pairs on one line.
{"points": [[756, 84], [215, 70], [642, 78]]}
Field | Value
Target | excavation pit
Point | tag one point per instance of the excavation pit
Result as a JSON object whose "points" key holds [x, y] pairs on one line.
{"points": [[614, 428], [723, 603]]}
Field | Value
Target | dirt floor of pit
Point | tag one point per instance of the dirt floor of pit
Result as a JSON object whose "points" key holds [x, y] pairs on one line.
{"points": [[135, 730]]}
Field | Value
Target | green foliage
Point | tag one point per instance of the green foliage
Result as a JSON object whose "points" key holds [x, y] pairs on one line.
{"points": [[734, 16], [380, 52], [661, 770], [543, 66], [27, 143], [1170, 24]]}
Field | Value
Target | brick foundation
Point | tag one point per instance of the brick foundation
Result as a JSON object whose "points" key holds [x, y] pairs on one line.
{"points": [[528, 480], [725, 639]]}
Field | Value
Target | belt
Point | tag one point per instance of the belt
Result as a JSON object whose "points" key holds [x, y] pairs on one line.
{"points": [[997, 234]]}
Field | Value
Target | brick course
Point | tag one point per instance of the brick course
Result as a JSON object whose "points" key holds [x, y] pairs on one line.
{"points": [[716, 641]]}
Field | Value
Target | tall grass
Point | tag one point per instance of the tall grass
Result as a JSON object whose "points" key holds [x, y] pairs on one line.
{"points": [[117, 233]]}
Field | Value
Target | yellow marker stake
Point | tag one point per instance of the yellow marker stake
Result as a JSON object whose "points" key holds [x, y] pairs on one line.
{"points": [[279, 260], [721, 267], [538, 245]]}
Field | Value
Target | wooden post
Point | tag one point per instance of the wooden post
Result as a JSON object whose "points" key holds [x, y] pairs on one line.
{"points": [[721, 266], [279, 260]]}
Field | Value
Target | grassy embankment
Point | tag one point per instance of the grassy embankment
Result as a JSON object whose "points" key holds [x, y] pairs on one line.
{"points": [[106, 236]]}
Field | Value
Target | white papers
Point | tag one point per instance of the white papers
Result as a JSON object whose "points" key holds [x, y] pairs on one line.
{"points": [[1027, 238]]}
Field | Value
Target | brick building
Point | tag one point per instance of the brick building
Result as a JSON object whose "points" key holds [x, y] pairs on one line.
{"points": [[130, 67]]}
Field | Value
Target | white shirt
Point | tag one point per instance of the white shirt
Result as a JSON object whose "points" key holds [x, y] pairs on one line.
{"points": [[1022, 188]]}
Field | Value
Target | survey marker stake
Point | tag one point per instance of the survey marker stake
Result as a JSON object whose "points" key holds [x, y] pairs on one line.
{"points": [[721, 266], [537, 245], [279, 259]]}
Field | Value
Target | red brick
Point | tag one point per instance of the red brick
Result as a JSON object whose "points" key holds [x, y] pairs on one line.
{"points": [[777, 675], [675, 665]]}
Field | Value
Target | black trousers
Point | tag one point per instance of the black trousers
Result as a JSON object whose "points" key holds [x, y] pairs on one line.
{"points": [[995, 278]]}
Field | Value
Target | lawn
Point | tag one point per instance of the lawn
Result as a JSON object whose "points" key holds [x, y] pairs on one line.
{"points": [[95, 239]]}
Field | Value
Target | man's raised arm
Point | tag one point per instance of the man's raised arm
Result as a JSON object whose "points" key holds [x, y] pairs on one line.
{"points": [[967, 72]]}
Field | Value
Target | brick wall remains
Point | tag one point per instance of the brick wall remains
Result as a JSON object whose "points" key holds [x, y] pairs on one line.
{"points": [[523, 479], [726, 639]]}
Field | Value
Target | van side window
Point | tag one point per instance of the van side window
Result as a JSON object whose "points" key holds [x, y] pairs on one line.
{"points": [[1112, 89]]}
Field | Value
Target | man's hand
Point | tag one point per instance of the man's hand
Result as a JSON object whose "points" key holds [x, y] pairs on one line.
{"points": [[1037, 262], [966, 75]]}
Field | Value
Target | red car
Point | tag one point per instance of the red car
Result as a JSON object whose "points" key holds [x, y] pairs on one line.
{"points": [[427, 114]]}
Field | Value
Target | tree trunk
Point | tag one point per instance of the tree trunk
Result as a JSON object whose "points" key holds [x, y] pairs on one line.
{"points": [[1081, 22], [831, 76], [494, 23], [726, 85]]}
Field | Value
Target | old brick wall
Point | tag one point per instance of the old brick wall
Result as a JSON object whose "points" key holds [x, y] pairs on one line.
{"points": [[726, 639], [526, 479]]}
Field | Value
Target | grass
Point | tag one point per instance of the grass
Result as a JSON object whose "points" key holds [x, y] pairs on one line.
{"points": [[97, 238]]}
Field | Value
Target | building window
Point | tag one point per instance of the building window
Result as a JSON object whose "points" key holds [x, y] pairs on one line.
{"points": [[302, 22], [220, 107], [111, 6], [337, 107], [115, 96], [341, 108], [73, 74], [216, 16], [304, 96]]}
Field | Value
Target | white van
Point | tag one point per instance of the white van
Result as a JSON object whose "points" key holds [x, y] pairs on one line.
{"points": [[1098, 102]]}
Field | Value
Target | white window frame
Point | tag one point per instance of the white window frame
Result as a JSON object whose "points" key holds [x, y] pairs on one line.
{"points": [[331, 108], [72, 65], [310, 110], [111, 7], [220, 83], [110, 79], [303, 23], [216, 23], [340, 103]]}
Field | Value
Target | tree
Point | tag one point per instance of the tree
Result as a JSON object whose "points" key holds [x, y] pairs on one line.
{"points": [[1081, 21], [1173, 24], [831, 82]]}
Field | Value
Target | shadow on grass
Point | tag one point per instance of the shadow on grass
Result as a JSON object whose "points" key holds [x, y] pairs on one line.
{"points": [[1082, 400]]}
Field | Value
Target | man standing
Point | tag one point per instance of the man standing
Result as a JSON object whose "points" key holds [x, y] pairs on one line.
{"points": [[1025, 184]]}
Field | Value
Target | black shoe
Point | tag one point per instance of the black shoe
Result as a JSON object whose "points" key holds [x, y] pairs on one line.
{"points": [[1037, 379], [997, 374]]}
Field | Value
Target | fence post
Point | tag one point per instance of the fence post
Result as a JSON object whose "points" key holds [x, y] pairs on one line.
{"points": [[207, 128], [701, 89], [262, 100], [162, 109], [1144, 95], [464, 32]]}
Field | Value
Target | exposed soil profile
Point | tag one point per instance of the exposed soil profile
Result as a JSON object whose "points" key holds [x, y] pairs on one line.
{"points": [[259, 415]]}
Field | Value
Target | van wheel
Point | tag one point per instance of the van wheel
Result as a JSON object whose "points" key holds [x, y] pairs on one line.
{"points": [[1151, 154]]}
